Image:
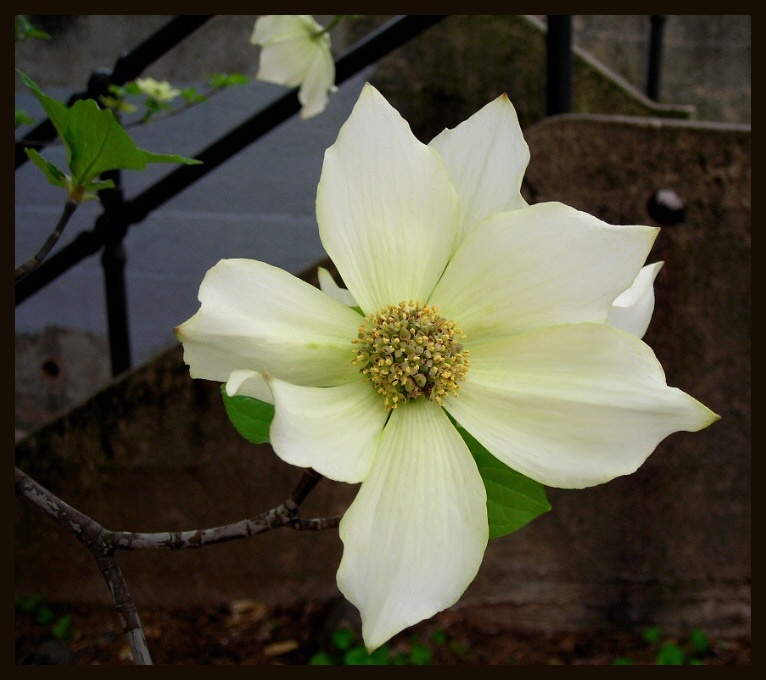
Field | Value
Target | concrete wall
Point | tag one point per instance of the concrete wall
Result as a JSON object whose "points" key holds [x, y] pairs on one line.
{"points": [[706, 58], [669, 545]]}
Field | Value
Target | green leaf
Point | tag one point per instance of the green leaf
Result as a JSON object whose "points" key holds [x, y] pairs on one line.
{"points": [[699, 641], [55, 176], [343, 638], [23, 118], [24, 30], [380, 657], [94, 139], [55, 109], [31, 604], [420, 654], [219, 80], [513, 500], [191, 96], [99, 143], [250, 417], [62, 629], [652, 634], [91, 189], [356, 656], [151, 157], [321, 659], [44, 615], [671, 654], [118, 104], [622, 661], [439, 637]]}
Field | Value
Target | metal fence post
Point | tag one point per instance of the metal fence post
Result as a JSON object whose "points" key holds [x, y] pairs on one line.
{"points": [[654, 69], [112, 223], [559, 65]]}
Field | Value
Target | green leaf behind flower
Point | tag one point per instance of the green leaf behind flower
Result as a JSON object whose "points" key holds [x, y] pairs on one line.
{"points": [[513, 500], [250, 417]]}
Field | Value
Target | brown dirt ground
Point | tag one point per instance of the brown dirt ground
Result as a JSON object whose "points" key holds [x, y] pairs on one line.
{"points": [[249, 633]]}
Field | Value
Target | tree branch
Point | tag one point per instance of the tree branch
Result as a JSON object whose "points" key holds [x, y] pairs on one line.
{"points": [[98, 540], [126, 608], [103, 543]]}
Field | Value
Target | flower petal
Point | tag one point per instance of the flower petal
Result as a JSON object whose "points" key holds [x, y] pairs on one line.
{"points": [[245, 383], [318, 83], [257, 317], [415, 535], [287, 47], [278, 27], [542, 265], [572, 406], [328, 285], [486, 157], [632, 310], [387, 212], [334, 430]]}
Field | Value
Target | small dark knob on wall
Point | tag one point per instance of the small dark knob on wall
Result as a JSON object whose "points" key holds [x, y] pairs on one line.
{"points": [[666, 207]]}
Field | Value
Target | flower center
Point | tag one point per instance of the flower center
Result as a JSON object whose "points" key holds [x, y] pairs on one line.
{"points": [[409, 351]]}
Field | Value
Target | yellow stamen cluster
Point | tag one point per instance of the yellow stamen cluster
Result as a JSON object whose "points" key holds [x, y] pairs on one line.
{"points": [[409, 351]]}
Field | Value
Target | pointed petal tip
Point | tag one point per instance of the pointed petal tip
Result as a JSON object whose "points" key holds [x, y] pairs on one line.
{"points": [[710, 417], [415, 535], [699, 415]]}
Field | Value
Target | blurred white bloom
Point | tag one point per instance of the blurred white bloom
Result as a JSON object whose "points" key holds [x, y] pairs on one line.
{"points": [[160, 91], [295, 51]]}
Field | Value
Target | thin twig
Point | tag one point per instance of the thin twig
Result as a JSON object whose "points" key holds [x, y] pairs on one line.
{"points": [[98, 540], [144, 120], [32, 263], [172, 112], [126, 608], [305, 486], [103, 543], [284, 515]]}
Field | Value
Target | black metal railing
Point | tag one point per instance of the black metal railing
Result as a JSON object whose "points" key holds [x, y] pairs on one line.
{"points": [[656, 43], [119, 214], [560, 63]]}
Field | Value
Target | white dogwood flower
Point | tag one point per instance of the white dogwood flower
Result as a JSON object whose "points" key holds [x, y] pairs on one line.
{"points": [[161, 91], [295, 50], [475, 306]]}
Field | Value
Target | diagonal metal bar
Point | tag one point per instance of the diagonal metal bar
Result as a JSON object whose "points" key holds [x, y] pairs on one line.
{"points": [[127, 67], [367, 51]]}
